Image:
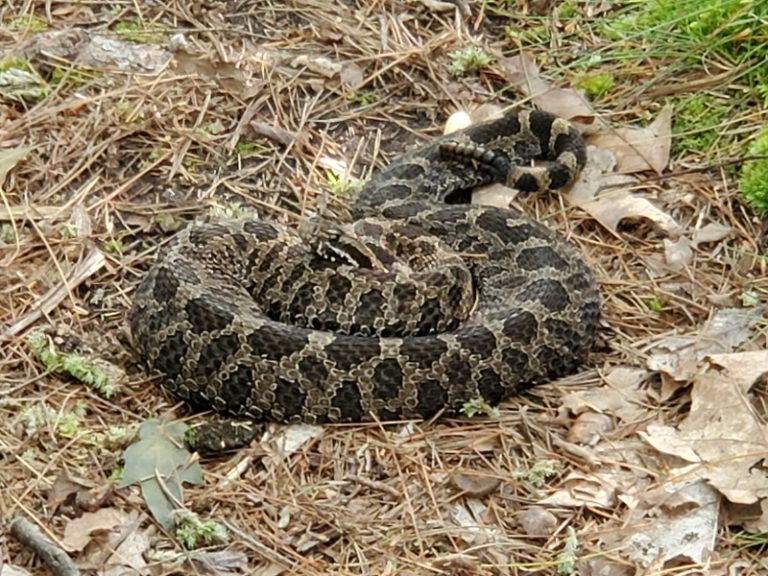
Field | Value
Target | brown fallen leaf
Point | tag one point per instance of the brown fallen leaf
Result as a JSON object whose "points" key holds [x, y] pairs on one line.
{"points": [[605, 567], [589, 428], [677, 253], [521, 71], [608, 199], [129, 556], [680, 356], [678, 523], [712, 232], [537, 521], [596, 489], [11, 570], [722, 437], [622, 395], [475, 485], [78, 533], [217, 562], [639, 149], [319, 64], [77, 494], [752, 517]]}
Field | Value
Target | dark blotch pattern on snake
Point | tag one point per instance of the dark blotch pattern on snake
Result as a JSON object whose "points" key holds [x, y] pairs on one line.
{"points": [[246, 318]]}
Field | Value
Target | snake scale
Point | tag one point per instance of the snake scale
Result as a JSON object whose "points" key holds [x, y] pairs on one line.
{"points": [[427, 302]]}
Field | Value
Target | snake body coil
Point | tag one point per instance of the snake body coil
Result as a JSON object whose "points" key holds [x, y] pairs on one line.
{"points": [[213, 315]]}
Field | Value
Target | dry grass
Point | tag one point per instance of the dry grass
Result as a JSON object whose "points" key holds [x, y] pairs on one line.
{"points": [[116, 162]]}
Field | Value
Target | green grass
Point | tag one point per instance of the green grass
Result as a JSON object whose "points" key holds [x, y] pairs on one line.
{"points": [[703, 31], [697, 39], [341, 186]]}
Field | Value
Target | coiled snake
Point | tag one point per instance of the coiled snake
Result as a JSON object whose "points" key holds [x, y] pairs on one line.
{"points": [[424, 304]]}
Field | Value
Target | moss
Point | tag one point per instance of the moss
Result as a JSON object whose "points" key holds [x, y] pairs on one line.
{"points": [[753, 181], [137, 32], [468, 60], [697, 120], [595, 85], [29, 23]]}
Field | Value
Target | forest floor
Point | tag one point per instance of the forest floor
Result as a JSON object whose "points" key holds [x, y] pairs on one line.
{"points": [[121, 123]]}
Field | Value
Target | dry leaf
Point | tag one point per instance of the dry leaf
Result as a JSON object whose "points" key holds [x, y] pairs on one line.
{"points": [[78, 494], [753, 517], [610, 208], [680, 356], [129, 556], [351, 75], [589, 428], [319, 64], [639, 149], [679, 527], [600, 566], [522, 71], [678, 253], [607, 198], [497, 195], [597, 489], [79, 532], [537, 521], [291, 438], [8, 159], [11, 570], [221, 562], [475, 529], [712, 232], [722, 436], [621, 395], [475, 485]]}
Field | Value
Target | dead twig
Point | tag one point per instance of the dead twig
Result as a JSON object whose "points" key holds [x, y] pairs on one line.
{"points": [[49, 552]]}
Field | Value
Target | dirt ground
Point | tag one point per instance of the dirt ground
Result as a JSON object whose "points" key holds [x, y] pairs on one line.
{"points": [[256, 108]]}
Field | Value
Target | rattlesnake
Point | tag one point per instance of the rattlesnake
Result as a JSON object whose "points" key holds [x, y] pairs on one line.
{"points": [[513, 306]]}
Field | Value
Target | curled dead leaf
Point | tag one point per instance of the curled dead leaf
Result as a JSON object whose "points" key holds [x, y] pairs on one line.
{"points": [[712, 232], [589, 427], [319, 64], [475, 485], [678, 253], [77, 494], [537, 521]]}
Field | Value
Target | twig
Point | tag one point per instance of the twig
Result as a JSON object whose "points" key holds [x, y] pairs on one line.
{"points": [[52, 556], [81, 272], [374, 484]]}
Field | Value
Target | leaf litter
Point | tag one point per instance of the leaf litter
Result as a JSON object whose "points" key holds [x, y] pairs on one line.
{"points": [[640, 447]]}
